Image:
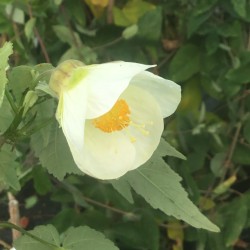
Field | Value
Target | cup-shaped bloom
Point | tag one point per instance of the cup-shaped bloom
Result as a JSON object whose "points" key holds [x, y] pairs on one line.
{"points": [[112, 114]]}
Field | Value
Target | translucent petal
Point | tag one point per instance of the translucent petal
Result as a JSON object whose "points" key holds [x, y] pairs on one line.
{"points": [[147, 123], [166, 92], [71, 115], [105, 83], [106, 155]]}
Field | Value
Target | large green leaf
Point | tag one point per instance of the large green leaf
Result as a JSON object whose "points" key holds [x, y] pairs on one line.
{"points": [[47, 233], [5, 52], [74, 239], [161, 188], [53, 152], [87, 239], [8, 166], [123, 188]]}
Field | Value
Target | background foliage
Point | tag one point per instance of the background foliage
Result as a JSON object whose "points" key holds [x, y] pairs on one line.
{"points": [[202, 45]]}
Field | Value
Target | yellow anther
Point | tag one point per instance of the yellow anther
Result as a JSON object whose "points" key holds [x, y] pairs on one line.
{"points": [[116, 119]]}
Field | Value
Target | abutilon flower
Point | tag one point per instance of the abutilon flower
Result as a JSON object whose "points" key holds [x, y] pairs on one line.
{"points": [[112, 114]]}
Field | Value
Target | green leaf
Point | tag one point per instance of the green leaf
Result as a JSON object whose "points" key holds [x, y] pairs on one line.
{"points": [[186, 63], [83, 53], [131, 12], [235, 222], [28, 29], [6, 115], [165, 148], [20, 79], [41, 180], [47, 233], [5, 52], [230, 29], [246, 130], [143, 233], [8, 167], [217, 164], [53, 152], [16, 14], [29, 100], [66, 36], [150, 25], [161, 188], [130, 32], [240, 7], [239, 75], [87, 239], [241, 155], [123, 188], [196, 21]]}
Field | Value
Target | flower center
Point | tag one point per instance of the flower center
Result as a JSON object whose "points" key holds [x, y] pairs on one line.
{"points": [[114, 120]]}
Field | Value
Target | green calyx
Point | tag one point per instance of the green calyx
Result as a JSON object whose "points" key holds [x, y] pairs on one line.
{"points": [[63, 75]]}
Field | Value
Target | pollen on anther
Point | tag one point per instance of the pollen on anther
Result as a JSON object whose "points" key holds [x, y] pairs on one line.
{"points": [[116, 119]]}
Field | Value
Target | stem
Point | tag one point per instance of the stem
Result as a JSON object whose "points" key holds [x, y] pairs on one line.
{"points": [[4, 244], [14, 214], [2, 141], [10, 100], [39, 38]]}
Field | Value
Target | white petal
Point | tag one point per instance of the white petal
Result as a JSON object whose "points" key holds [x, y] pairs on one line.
{"points": [[144, 111], [106, 155], [71, 114], [105, 84], [166, 92]]}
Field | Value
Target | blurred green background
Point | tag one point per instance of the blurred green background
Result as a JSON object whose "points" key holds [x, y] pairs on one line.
{"points": [[203, 45]]}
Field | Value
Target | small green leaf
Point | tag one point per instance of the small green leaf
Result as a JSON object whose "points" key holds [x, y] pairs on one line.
{"points": [[16, 14], [84, 54], [29, 100], [87, 239], [5, 52], [66, 36], [186, 63], [28, 29], [217, 164], [8, 167], [161, 188], [130, 32]]}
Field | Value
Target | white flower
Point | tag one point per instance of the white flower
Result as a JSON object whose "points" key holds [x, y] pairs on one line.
{"points": [[112, 114]]}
